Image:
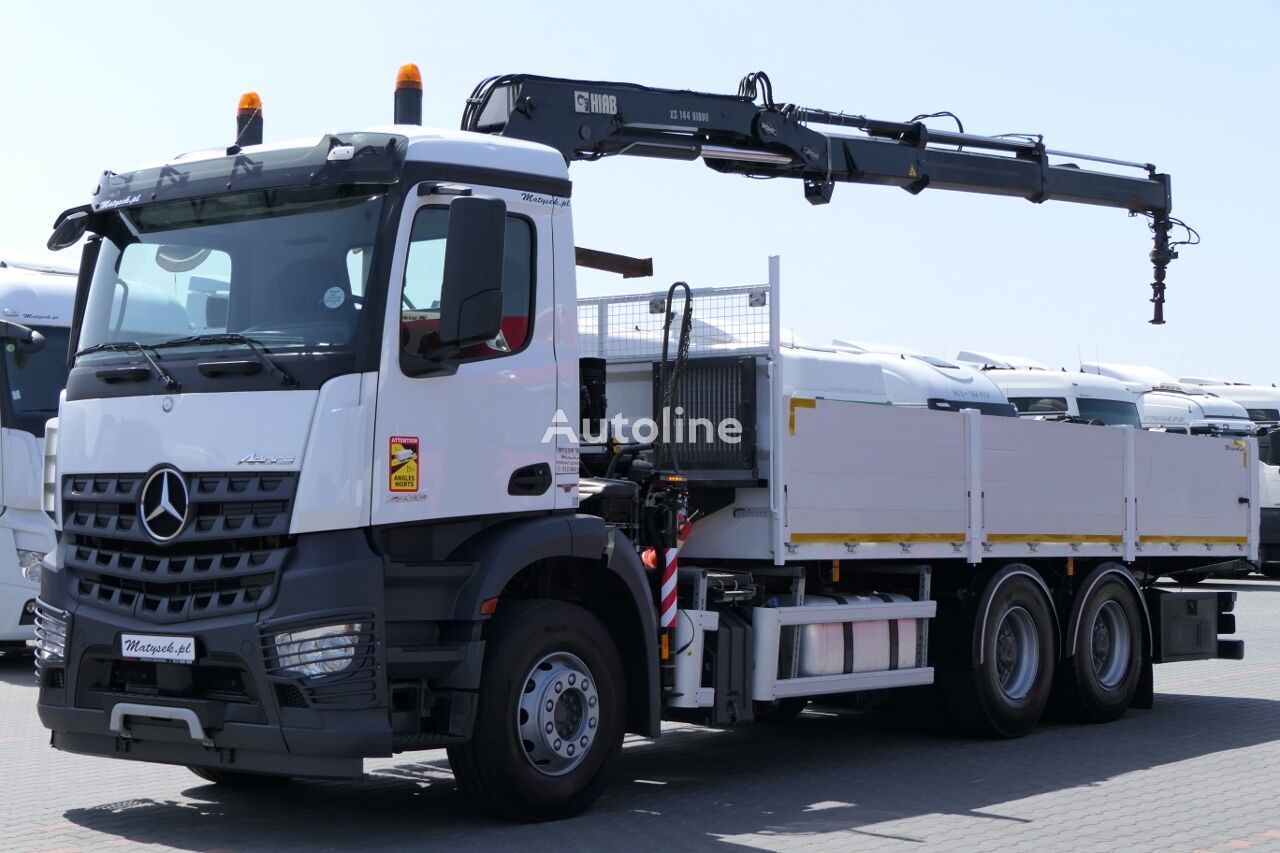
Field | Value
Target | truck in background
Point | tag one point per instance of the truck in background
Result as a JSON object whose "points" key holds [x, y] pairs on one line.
{"points": [[1171, 406], [1038, 392], [35, 304], [1262, 402]]}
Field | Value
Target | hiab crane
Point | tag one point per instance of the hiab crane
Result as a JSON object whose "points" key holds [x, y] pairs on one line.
{"points": [[586, 120], [364, 520]]}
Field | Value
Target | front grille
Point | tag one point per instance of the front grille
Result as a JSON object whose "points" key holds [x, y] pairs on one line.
{"points": [[223, 506], [226, 560], [220, 678]]}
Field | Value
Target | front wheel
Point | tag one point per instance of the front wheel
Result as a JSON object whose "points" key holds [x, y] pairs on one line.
{"points": [[1098, 683], [1005, 692], [550, 715]]}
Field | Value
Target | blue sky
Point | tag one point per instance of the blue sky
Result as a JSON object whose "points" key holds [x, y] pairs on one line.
{"points": [[1188, 86]]}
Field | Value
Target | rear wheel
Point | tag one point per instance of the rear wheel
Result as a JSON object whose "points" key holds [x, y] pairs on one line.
{"points": [[550, 715], [1097, 684], [1005, 693]]}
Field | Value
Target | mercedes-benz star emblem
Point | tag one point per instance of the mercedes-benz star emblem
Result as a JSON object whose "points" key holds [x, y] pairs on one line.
{"points": [[163, 504]]}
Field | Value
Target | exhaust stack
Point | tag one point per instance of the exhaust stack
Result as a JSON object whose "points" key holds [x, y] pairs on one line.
{"points": [[249, 120], [408, 95]]}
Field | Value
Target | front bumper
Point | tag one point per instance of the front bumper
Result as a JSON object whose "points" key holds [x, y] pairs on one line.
{"points": [[249, 715]]}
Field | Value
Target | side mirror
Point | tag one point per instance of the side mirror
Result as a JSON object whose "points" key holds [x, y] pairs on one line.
{"points": [[471, 292], [69, 228], [20, 338]]}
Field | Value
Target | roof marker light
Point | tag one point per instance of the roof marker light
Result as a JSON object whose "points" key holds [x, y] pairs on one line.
{"points": [[249, 120], [408, 103]]}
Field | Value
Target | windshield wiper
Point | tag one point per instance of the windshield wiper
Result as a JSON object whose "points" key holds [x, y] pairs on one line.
{"points": [[255, 345], [146, 351]]}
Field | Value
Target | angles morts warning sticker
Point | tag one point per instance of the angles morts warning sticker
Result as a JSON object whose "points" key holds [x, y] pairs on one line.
{"points": [[404, 463]]}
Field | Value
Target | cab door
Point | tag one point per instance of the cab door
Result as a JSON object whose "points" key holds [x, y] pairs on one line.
{"points": [[471, 442]]}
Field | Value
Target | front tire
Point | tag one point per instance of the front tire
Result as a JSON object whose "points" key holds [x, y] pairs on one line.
{"points": [[1004, 694], [550, 714], [1097, 684]]}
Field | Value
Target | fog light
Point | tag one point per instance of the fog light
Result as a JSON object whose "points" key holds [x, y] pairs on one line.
{"points": [[318, 651], [29, 562], [51, 635]]}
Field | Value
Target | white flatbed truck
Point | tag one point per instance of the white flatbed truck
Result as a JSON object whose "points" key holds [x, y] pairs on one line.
{"points": [[352, 516]]}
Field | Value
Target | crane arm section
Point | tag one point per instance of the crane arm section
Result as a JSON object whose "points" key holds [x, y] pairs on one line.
{"points": [[750, 134]]}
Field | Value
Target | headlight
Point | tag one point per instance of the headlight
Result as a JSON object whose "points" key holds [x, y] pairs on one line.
{"points": [[29, 563], [318, 651], [51, 635]]}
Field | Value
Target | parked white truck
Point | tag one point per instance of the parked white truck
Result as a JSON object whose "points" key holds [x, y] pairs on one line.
{"points": [[1167, 404], [35, 312], [1262, 402], [352, 517], [1038, 392]]}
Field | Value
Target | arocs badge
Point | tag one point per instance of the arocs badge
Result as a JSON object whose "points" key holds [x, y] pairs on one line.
{"points": [[404, 463]]}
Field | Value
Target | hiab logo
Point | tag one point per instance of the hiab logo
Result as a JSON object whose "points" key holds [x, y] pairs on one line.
{"points": [[595, 102]]}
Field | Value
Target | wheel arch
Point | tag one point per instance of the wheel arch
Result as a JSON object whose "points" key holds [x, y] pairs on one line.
{"points": [[1092, 581], [983, 612], [603, 574]]}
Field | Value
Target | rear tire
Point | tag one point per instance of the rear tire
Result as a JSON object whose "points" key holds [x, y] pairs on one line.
{"points": [[1005, 693], [236, 778], [1097, 684], [550, 714]]}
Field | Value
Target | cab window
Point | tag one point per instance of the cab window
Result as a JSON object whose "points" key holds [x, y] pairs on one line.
{"points": [[424, 273]]}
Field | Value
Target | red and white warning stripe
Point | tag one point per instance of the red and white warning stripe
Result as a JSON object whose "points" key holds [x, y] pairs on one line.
{"points": [[667, 610]]}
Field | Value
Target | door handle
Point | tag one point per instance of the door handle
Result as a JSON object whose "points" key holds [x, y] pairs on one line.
{"points": [[530, 480]]}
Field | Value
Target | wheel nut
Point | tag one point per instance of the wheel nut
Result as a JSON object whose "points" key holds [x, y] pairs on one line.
{"points": [[556, 745], [593, 702], [586, 685], [584, 741], [551, 706], [559, 686], [550, 728], [591, 723], [572, 679], [570, 750]]}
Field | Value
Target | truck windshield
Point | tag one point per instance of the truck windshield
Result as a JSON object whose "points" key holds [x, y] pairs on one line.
{"points": [[33, 381], [1110, 412], [286, 267]]}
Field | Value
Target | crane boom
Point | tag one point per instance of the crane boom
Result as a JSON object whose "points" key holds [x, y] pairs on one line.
{"points": [[750, 134]]}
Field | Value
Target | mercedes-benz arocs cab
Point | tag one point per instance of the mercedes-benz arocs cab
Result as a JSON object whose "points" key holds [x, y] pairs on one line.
{"points": [[1039, 392], [35, 304], [330, 500], [1173, 407]]}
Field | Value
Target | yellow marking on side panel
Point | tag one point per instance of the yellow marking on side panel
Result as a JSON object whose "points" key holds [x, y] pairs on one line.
{"points": [[1054, 537], [877, 537], [835, 571], [1162, 540], [800, 403], [1071, 566], [911, 173], [665, 652]]}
